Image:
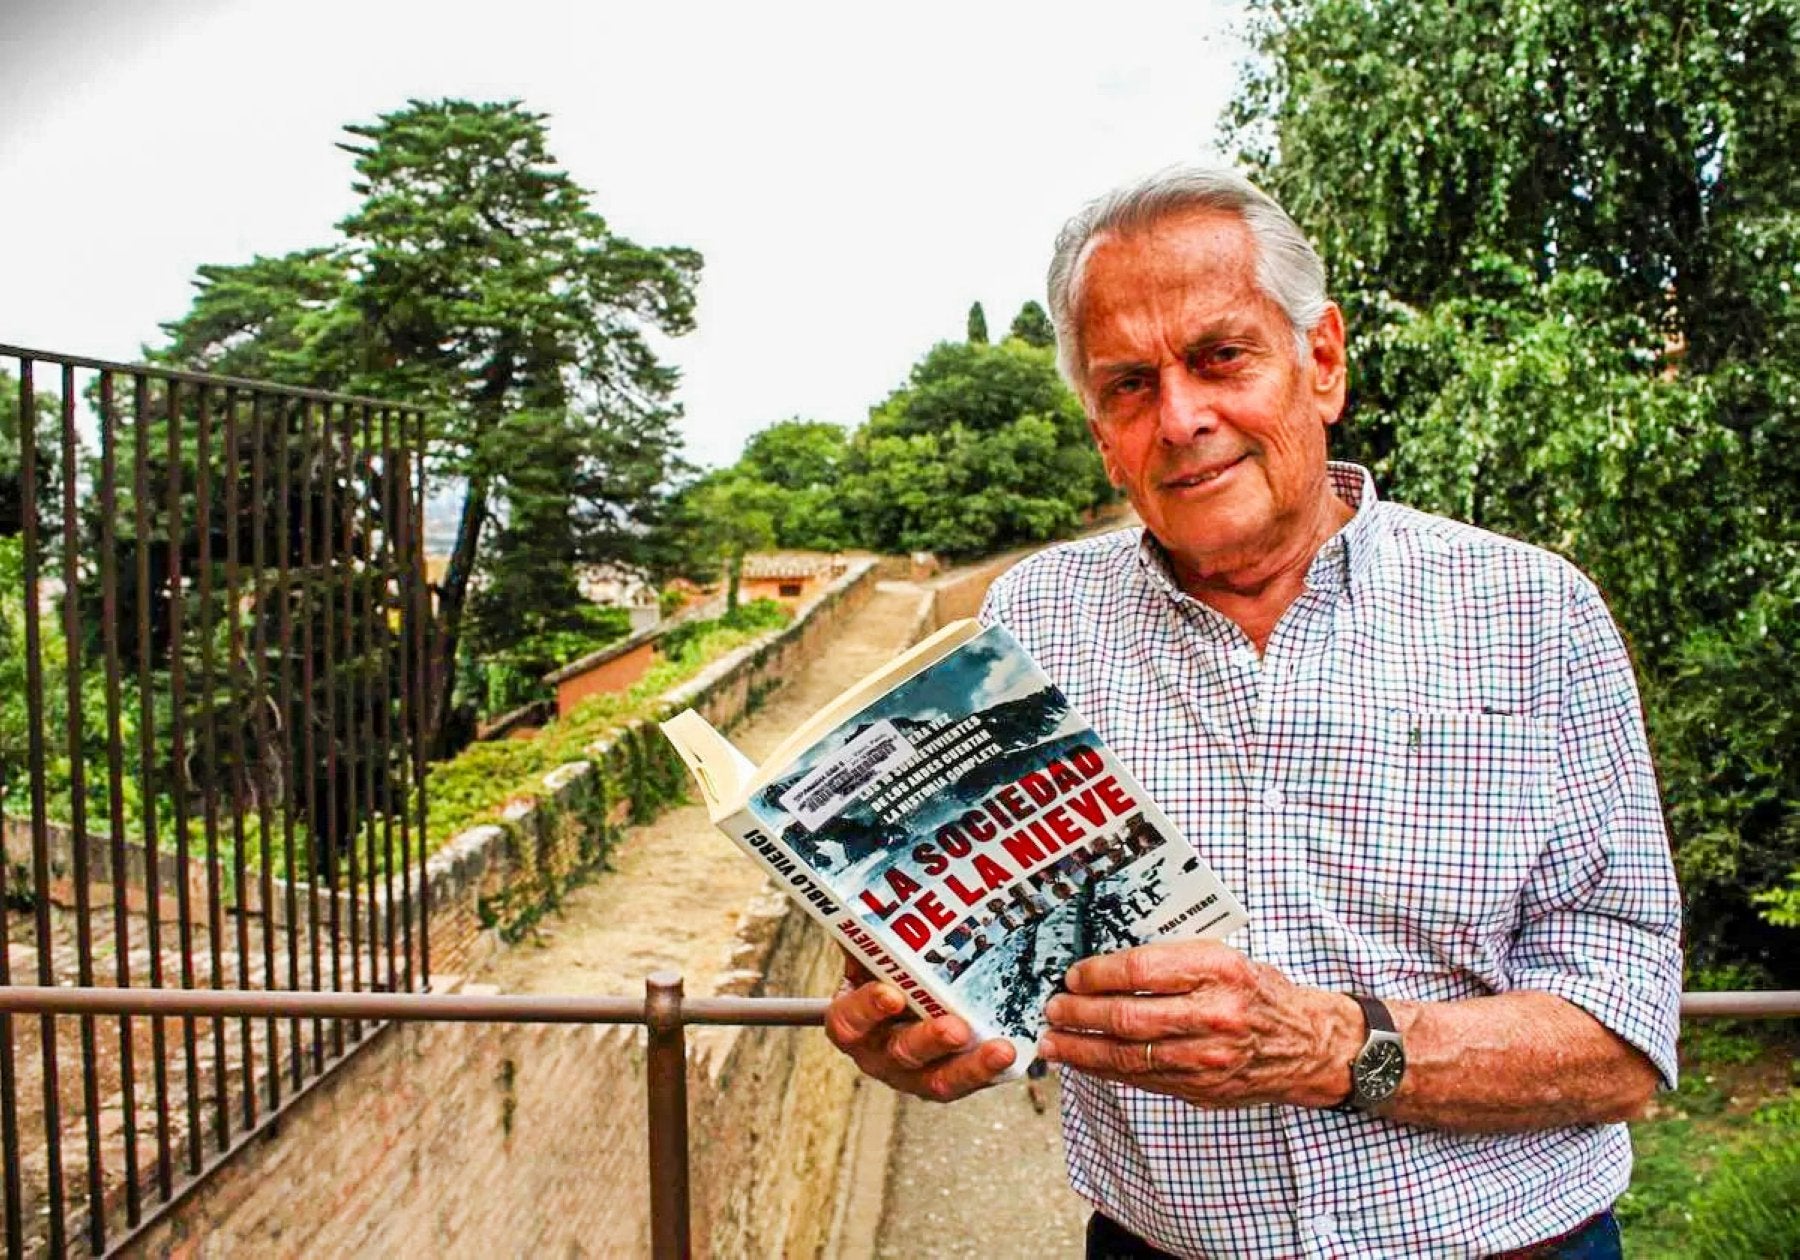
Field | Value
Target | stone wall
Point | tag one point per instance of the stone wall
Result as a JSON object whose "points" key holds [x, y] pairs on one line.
{"points": [[476, 1140], [470, 1139]]}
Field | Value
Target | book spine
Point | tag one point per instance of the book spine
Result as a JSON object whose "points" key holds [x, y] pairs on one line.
{"points": [[875, 947]]}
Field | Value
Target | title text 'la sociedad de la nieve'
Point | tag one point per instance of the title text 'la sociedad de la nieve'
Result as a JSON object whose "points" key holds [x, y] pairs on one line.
{"points": [[1032, 819]]}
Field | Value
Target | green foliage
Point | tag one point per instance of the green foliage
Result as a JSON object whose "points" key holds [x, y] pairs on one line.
{"points": [[982, 449], [1032, 326], [502, 680], [1567, 247], [727, 515], [1412, 138], [472, 787], [805, 460], [475, 278], [1746, 1210], [977, 330]]}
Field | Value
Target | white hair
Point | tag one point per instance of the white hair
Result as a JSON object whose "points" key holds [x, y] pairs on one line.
{"points": [[1288, 269]]}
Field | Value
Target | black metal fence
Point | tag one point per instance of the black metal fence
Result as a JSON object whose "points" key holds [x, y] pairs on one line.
{"points": [[213, 654]]}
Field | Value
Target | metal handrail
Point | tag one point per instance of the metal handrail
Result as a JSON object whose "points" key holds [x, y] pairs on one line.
{"points": [[663, 1010]]}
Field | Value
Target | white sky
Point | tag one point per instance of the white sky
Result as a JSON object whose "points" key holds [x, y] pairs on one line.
{"points": [[855, 175]]}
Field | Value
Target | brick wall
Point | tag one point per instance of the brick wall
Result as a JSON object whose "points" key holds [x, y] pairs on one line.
{"points": [[476, 1140]]}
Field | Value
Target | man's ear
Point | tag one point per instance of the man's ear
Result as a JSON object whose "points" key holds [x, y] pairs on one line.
{"points": [[1106, 457], [1330, 363]]}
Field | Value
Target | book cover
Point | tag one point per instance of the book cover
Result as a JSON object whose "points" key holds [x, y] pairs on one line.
{"points": [[962, 830]]}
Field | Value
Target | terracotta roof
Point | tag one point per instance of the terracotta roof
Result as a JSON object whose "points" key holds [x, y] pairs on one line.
{"points": [[790, 566]]}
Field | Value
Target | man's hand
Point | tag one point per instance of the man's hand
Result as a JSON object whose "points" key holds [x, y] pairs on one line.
{"points": [[1198, 1020], [934, 1058]]}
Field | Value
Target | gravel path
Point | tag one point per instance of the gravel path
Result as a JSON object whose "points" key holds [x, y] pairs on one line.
{"points": [[982, 1177]]}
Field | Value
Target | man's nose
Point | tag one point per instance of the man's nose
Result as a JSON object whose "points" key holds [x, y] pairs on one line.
{"points": [[1184, 409]]}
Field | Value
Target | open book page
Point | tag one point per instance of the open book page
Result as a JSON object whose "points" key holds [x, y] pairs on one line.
{"points": [[723, 773]]}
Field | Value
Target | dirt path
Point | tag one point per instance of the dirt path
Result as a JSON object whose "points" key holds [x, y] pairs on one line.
{"points": [[981, 1178], [673, 897]]}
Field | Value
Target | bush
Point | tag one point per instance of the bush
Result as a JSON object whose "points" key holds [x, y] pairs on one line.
{"points": [[1750, 1209]]}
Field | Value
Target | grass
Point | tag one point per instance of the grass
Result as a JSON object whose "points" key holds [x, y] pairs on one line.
{"points": [[1716, 1152]]}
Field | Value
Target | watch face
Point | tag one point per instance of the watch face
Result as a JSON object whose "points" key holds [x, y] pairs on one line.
{"points": [[1378, 1070]]}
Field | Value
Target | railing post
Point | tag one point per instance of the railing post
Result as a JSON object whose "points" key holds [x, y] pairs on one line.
{"points": [[666, 1078]]}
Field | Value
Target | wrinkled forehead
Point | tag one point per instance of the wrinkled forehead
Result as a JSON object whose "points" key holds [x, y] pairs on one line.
{"points": [[1186, 253]]}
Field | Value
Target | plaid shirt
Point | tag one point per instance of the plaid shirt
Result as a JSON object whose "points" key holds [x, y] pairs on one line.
{"points": [[1433, 785]]}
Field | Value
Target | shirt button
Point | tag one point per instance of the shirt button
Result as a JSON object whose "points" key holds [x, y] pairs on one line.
{"points": [[1324, 1225], [1275, 943], [1274, 798]]}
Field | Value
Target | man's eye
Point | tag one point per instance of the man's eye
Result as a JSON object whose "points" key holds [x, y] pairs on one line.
{"points": [[1222, 356], [1126, 385]]}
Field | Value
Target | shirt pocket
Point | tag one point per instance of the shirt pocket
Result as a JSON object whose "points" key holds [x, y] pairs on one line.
{"points": [[1428, 822]]}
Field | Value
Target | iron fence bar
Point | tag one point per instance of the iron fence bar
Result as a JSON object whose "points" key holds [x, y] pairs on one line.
{"points": [[234, 712], [209, 730], [141, 511], [178, 776], [308, 608], [384, 711], [115, 769], [257, 677], [454, 1008], [401, 481], [40, 831], [362, 578], [352, 667], [84, 945], [182, 375], [423, 647], [326, 851], [9, 1078], [284, 486], [665, 1080]]}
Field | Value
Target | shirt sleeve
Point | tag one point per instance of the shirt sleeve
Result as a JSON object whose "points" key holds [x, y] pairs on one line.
{"points": [[1601, 913]]}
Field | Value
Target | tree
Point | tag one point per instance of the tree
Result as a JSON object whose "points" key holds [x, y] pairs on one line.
{"points": [[475, 278], [1411, 139], [1033, 327], [730, 516], [804, 459], [978, 333], [983, 448], [1566, 244]]}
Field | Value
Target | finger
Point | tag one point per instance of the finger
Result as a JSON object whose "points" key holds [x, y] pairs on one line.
{"points": [[1104, 1056], [924, 1043], [1111, 1058], [1129, 1018], [963, 1074], [1160, 967], [855, 972], [852, 1016]]}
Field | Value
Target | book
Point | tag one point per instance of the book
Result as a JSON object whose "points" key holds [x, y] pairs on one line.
{"points": [[962, 831]]}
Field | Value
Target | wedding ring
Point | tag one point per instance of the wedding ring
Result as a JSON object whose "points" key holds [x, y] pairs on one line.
{"points": [[1149, 1056]]}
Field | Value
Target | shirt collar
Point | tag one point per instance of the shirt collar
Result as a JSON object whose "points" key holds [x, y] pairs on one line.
{"points": [[1346, 559]]}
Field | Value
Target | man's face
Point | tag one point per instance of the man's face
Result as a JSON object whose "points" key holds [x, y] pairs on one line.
{"points": [[1204, 415]]}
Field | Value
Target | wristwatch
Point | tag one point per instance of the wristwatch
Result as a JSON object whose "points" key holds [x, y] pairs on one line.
{"points": [[1376, 1070]]}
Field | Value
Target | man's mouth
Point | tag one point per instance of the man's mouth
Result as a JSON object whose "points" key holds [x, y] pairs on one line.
{"points": [[1201, 476]]}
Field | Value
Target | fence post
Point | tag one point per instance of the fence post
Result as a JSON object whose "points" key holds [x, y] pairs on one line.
{"points": [[666, 1078]]}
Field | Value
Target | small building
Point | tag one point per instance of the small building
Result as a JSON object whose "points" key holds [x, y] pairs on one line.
{"points": [[614, 668], [788, 577], [620, 586]]}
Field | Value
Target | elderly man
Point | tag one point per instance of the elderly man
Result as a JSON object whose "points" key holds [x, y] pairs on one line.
{"points": [[1415, 749]]}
